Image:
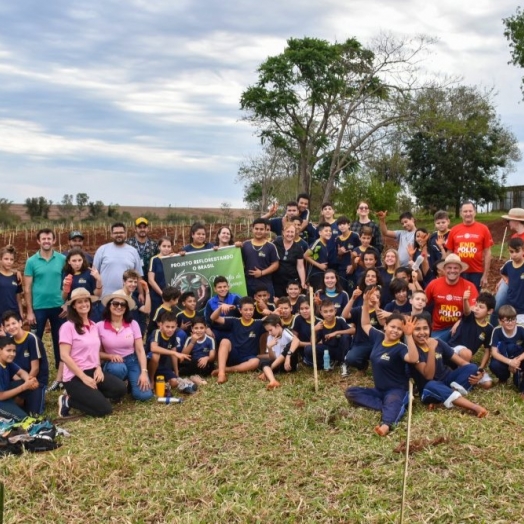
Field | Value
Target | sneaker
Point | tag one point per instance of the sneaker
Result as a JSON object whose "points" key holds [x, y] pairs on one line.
{"points": [[186, 386], [459, 388], [55, 385], [63, 406], [344, 370]]}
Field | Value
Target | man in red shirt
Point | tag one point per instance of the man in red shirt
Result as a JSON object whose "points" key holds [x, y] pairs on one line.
{"points": [[472, 242], [447, 295]]}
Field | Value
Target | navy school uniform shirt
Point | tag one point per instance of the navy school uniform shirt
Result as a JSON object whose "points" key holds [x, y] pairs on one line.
{"points": [[350, 243], [201, 348], [302, 328], [183, 317], [259, 257], [319, 253], [288, 323], [153, 320], [385, 293], [83, 279], [508, 346], [175, 342], [338, 325], [190, 248], [443, 355], [29, 348], [433, 248], [7, 373], [258, 315], [244, 336], [361, 337], [296, 306], [393, 306], [515, 277], [332, 246], [472, 334], [10, 287], [387, 362], [340, 300], [231, 299], [156, 267]]}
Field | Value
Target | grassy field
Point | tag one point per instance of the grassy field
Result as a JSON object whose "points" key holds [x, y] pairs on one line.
{"points": [[239, 453]]}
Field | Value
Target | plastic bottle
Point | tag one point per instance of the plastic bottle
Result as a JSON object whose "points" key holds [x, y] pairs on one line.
{"points": [[160, 386], [169, 400], [327, 361], [418, 262]]}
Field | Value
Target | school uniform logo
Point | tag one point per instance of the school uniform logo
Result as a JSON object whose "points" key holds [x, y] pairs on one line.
{"points": [[386, 357]]}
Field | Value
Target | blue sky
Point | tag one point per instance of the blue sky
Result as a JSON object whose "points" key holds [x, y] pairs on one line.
{"points": [[136, 102]]}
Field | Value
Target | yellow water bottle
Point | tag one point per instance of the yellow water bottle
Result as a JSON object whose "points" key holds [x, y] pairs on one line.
{"points": [[160, 386]]}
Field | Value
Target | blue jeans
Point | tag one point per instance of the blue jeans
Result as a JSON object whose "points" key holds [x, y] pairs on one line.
{"points": [[130, 370], [51, 314], [474, 278], [500, 298], [391, 402], [358, 356], [442, 334], [440, 391], [336, 353]]}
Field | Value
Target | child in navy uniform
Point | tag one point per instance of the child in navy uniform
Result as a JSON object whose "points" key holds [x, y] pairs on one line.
{"points": [[31, 357], [170, 296], [317, 256], [201, 347], [333, 334], [238, 353], [388, 362], [15, 383], [513, 274], [507, 348], [302, 324], [164, 349]]}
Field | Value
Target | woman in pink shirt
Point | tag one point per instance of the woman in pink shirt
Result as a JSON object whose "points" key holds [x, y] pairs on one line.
{"points": [[88, 388], [122, 344]]}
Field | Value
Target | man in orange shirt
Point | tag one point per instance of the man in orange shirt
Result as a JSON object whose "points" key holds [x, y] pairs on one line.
{"points": [[447, 295], [472, 242]]}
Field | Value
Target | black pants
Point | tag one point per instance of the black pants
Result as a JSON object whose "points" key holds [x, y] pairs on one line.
{"points": [[91, 401]]}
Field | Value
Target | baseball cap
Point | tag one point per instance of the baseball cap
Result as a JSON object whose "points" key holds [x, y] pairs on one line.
{"points": [[75, 234], [141, 220]]}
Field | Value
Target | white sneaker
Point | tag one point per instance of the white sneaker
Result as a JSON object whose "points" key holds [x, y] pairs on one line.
{"points": [[344, 370]]}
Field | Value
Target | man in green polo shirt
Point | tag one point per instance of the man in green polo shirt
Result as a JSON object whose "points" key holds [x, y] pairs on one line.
{"points": [[42, 288]]}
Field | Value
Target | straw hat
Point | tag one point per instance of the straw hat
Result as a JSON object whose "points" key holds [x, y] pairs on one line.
{"points": [[453, 259], [119, 294], [515, 213], [80, 292]]}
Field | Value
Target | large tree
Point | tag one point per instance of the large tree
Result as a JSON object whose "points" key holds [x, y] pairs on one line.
{"points": [[514, 32], [319, 100], [458, 148]]}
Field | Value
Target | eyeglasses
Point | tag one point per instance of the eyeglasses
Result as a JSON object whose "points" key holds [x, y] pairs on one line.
{"points": [[119, 304], [118, 232], [363, 207], [508, 320]]}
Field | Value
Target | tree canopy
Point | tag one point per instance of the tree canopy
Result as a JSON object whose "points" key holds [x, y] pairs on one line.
{"points": [[328, 102], [458, 149], [514, 32]]}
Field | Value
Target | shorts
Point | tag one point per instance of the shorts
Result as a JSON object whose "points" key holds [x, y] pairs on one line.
{"points": [[236, 357]]}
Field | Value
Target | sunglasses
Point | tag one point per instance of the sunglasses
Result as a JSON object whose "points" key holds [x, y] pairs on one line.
{"points": [[119, 304]]}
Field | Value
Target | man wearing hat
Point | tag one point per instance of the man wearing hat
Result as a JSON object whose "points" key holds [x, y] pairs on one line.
{"points": [[146, 247], [447, 295], [76, 239], [515, 218], [472, 242]]}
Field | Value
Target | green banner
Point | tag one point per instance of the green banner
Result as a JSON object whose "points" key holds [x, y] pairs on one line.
{"points": [[197, 271]]}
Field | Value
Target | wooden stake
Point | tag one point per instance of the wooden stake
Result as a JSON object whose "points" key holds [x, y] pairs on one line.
{"points": [[408, 437], [313, 338], [503, 240]]}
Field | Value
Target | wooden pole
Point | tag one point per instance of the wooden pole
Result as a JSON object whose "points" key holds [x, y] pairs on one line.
{"points": [[503, 240], [313, 339], [408, 437]]}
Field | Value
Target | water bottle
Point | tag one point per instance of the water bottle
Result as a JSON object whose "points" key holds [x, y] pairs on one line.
{"points": [[418, 262], [327, 360], [160, 386], [169, 400]]}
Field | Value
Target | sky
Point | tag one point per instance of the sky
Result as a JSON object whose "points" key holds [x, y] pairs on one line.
{"points": [[136, 102]]}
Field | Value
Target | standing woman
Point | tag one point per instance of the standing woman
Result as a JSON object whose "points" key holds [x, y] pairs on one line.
{"points": [[388, 363], [10, 283], [122, 344], [88, 388], [156, 276], [224, 238], [364, 220], [291, 267]]}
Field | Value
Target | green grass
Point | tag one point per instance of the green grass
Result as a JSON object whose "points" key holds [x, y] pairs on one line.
{"points": [[239, 453]]}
